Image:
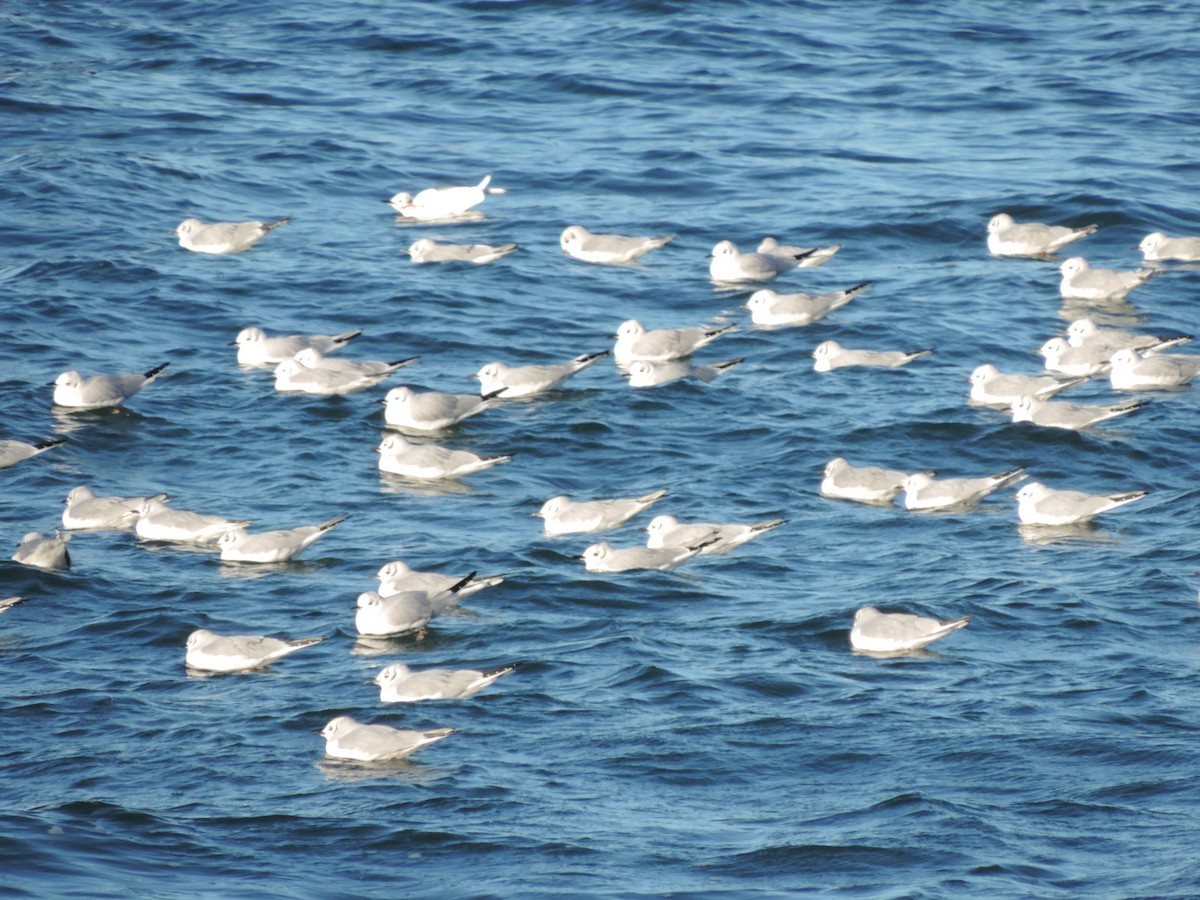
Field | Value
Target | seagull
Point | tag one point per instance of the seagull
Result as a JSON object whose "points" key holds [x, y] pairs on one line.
{"points": [[87, 511], [43, 552], [922, 491], [643, 373], [1078, 362], [158, 522], [223, 237], [397, 576], [348, 739], [377, 616], [1072, 416], [1086, 333], [209, 652], [991, 387], [77, 392], [1081, 282], [312, 358], [662, 344], [271, 546], [443, 202], [9, 602], [604, 557], [427, 411], [713, 539], [428, 251], [863, 484], [430, 462], [13, 452], [400, 684], [562, 515], [768, 307], [798, 257], [730, 266], [613, 249], [257, 349], [1008, 238], [1157, 246], [326, 379], [1041, 505], [832, 355], [516, 382], [1133, 371], [879, 632]]}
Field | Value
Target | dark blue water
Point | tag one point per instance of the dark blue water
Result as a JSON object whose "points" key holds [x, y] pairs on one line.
{"points": [[701, 733]]}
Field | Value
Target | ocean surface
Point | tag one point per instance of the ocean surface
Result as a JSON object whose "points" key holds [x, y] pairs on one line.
{"points": [[705, 732]]}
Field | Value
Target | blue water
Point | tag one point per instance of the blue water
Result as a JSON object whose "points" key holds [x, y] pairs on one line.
{"points": [[706, 732]]}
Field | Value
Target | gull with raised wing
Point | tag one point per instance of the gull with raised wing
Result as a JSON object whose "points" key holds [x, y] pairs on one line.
{"points": [[604, 557], [1133, 371], [156, 521], [397, 576], [832, 355], [210, 652], [923, 491], [613, 249], [444, 202], [1071, 416], [767, 307], [991, 387], [430, 462], [879, 632], [562, 515], [87, 511], [223, 237], [1041, 505], [729, 265], [712, 538], [1157, 247], [863, 484], [73, 391], [425, 411], [1033, 239], [798, 257], [13, 452], [634, 341], [271, 546], [644, 374], [256, 348], [378, 616], [347, 739], [43, 552], [517, 382], [427, 250], [1081, 282], [400, 684]]}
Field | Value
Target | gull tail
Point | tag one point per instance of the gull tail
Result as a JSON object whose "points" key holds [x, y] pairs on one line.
{"points": [[586, 359], [857, 289], [10, 602], [336, 520], [1004, 479], [492, 674], [437, 734], [949, 626], [154, 373], [455, 588], [763, 527], [342, 339], [275, 223], [46, 445], [300, 644], [484, 186], [1122, 499], [918, 353], [479, 583], [400, 364]]}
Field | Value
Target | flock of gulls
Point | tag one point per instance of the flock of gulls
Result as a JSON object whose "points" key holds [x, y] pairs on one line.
{"points": [[407, 600]]}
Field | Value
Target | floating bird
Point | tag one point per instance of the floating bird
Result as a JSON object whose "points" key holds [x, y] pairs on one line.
{"points": [[1156, 246], [991, 387], [377, 616], [922, 491], [223, 237], [731, 266], [604, 557], [1081, 282], [426, 411], [429, 251], [1078, 362], [798, 257], [44, 552], [643, 373], [271, 546], [581, 244], [443, 202], [1071, 416], [430, 462], [13, 452], [397, 576], [209, 652], [78, 392], [87, 511], [158, 522], [1133, 371], [832, 355], [1041, 505], [662, 344], [879, 632], [9, 602], [863, 484], [1009, 238], [517, 382], [348, 739], [712, 538], [768, 307], [256, 348], [400, 684], [562, 515]]}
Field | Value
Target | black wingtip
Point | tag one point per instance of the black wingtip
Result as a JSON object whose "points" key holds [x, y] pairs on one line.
{"points": [[156, 370], [455, 588]]}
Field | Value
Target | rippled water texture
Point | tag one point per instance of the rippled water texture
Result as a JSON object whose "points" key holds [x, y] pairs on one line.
{"points": [[701, 732]]}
